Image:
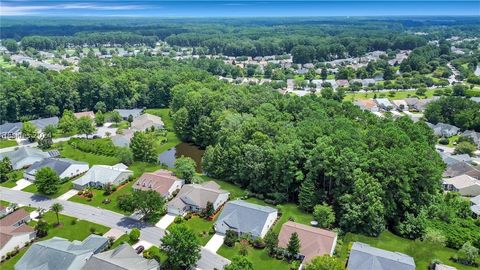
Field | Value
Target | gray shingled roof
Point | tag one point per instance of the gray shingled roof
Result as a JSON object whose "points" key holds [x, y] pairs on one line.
{"points": [[60, 254], [59, 165], [10, 128], [25, 156], [102, 174], [244, 217], [43, 122], [366, 257], [124, 113], [123, 257]]}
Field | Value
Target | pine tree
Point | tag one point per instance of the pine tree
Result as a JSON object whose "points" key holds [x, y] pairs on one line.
{"points": [[293, 244], [307, 196]]}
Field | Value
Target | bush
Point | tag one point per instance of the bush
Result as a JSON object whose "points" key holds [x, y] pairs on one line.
{"points": [[96, 146], [230, 238], [134, 235], [73, 222], [178, 220], [259, 243], [443, 141]]}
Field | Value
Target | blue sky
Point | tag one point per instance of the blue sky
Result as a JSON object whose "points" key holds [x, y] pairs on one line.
{"points": [[237, 8]]}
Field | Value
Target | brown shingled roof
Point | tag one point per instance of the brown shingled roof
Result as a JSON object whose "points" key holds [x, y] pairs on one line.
{"points": [[160, 181], [14, 217], [313, 241]]}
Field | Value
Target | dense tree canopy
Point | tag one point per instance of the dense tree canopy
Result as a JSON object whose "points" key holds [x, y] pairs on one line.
{"points": [[457, 111]]}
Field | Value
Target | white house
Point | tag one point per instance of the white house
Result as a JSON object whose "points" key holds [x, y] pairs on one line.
{"points": [[65, 168], [101, 175], [14, 232], [463, 184]]}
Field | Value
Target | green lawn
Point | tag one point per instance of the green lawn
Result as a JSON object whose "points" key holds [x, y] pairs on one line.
{"points": [[171, 137], [78, 231], [200, 226], [422, 253], [235, 191], [157, 252], [61, 189], [163, 113], [398, 95], [7, 143], [258, 257], [122, 239], [68, 151], [14, 177]]}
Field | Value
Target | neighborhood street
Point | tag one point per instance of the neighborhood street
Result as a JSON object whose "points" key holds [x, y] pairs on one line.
{"points": [[107, 218]]}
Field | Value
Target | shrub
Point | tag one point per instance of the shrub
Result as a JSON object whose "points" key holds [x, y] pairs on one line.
{"points": [[73, 222], [259, 243], [178, 220], [134, 235], [230, 238]]}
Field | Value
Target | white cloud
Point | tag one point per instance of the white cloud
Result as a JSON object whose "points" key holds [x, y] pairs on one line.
{"points": [[12, 10]]}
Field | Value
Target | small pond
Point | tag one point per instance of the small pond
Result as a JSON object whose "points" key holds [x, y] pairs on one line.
{"points": [[183, 149]]}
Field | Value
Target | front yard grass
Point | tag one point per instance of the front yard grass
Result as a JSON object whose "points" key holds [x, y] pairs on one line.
{"points": [[7, 143], [13, 178], [423, 253], [157, 254], [61, 189], [258, 257], [200, 226]]}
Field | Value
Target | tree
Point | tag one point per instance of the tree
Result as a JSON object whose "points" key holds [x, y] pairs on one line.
{"points": [[468, 254], [143, 147], [46, 141], [42, 228], [125, 155], [130, 120], [99, 119], [465, 147], [57, 208], [67, 124], [434, 237], [325, 262], [244, 244], [5, 169], [29, 131], [307, 197], [271, 241], [185, 168], [116, 117], [85, 125], [239, 263], [100, 107], [47, 181], [293, 246], [208, 211], [134, 235], [181, 246], [324, 73], [11, 45], [231, 238], [147, 202], [324, 215]]}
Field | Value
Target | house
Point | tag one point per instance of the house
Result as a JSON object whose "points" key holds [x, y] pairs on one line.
{"points": [[59, 253], [476, 99], [146, 121], [367, 105], [5, 210], [422, 104], [475, 136], [342, 83], [10, 130], [194, 198], [64, 167], [161, 181], [246, 218], [454, 159], [14, 231], [444, 130], [101, 175], [440, 266], [125, 113], [368, 82], [400, 104], [123, 257], [460, 168], [89, 114], [43, 122], [333, 83], [366, 257], [384, 104], [475, 205], [313, 241], [411, 103], [463, 184], [123, 140], [26, 156]]}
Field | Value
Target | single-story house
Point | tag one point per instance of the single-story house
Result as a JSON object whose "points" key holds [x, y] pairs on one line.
{"points": [[313, 241], [64, 167], [454, 159], [400, 104], [368, 82], [463, 184], [90, 114], [343, 83], [422, 104], [101, 175], [462, 168], [59, 253], [475, 205], [123, 140], [146, 121], [14, 231], [384, 104], [125, 113], [26, 156], [444, 130], [246, 218], [411, 103], [161, 181], [123, 257], [367, 104], [365, 257], [41, 123], [475, 136], [332, 82], [10, 130], [194, 198], [5, 210]]}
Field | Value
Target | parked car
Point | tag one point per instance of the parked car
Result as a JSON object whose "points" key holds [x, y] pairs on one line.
{"points": [[140, 249]]}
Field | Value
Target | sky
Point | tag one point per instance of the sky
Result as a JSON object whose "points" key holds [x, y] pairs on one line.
{"points": [[238, 8]]}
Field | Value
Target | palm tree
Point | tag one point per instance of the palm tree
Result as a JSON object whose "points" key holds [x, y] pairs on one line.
{"points": [[57, 207]]}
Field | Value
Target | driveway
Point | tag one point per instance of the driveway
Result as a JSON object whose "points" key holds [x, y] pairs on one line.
{"points": [[115, 233], [165, 221], [149, 233], [215, 242], [143, 243], [67, 195], [21, 184]]}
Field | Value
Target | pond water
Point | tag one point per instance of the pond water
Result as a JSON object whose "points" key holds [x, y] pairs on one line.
{"points": [[183, 149]]}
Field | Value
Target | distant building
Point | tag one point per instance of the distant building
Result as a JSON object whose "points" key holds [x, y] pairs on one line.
{"points": [[161, 181], [146, 121], [367, 104], [246, 218], [65, 168], [475, 136], [384, 104], [89, 114], [400, 104], [444, 130], [59, 253], [365, 257], [463, 184], [41, 123], [123, 257], [125, 113], [475, 205]]}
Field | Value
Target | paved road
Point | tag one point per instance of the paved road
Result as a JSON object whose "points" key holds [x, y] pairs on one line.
{"points": [[107, 218]]}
